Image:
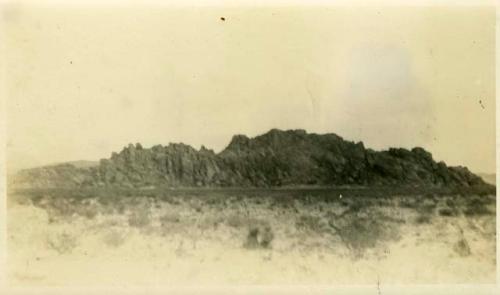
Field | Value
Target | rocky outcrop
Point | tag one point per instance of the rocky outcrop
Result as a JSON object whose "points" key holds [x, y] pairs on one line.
{"points": [[276, 158]]}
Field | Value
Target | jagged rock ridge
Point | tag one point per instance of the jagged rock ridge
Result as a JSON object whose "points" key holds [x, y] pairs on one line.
{"points": [[276, 158]]}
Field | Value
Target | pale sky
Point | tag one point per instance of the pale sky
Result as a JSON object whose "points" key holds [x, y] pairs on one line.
{"points": [[85, 81]]}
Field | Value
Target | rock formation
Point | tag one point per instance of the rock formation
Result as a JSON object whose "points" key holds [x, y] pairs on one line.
{"points": [[276, 158]]}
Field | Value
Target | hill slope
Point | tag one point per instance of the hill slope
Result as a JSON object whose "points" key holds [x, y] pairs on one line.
{"points": [[276, 158], [490, 178]]}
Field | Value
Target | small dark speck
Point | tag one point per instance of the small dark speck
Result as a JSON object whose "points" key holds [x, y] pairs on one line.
{"points": [[481, 103], [71, 62], [222, 18]]}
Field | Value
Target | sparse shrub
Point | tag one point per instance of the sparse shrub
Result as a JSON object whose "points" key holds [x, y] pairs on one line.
{"points": [[462, 248], [139, 218], [426, 208], [120, 208], [259, 236], [448, 212], [450, 203], [211, 222], [423, 219], [22, 200], [170, 218], [476, 209], [114, 238], [310, 223], [361, 233], [198, 208], [408, 203], [237, 221], [356, 206], [88, 211], [344, 202], [63, 207], [62, 243]]}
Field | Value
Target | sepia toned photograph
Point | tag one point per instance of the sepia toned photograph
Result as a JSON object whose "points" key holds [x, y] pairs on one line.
{"points": [[248, 144]]}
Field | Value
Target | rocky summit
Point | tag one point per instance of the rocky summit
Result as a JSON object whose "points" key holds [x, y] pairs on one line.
{"points": [[276, 158]]}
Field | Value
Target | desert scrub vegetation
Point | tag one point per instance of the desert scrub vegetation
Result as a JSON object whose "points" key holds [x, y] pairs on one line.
{"points": [[479, 205], [358, 219]]}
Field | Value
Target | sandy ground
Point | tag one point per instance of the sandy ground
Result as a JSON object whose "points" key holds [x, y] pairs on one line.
{"points": [[178, 244]]}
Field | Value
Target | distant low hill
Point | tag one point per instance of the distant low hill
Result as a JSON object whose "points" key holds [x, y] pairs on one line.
{"points": [[276, 158], [490, 178], [83, 164]]}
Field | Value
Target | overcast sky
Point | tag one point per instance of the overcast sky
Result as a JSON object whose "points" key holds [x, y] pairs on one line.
{"points": [[85, 81]]}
